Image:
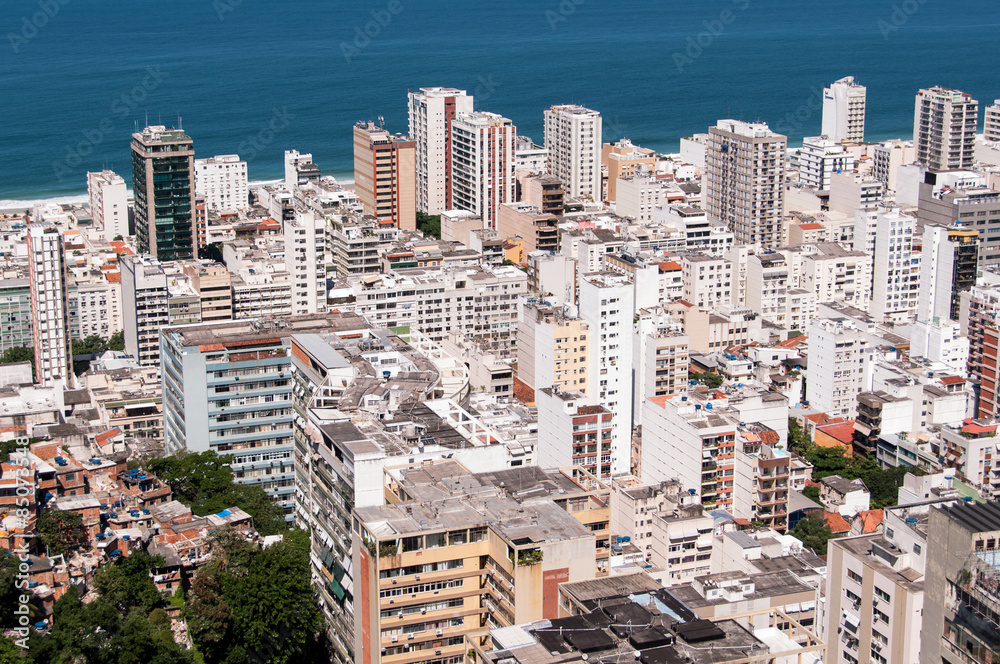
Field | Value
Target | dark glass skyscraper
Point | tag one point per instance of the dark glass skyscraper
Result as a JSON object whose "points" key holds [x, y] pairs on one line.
{"points": [[163, 179]]}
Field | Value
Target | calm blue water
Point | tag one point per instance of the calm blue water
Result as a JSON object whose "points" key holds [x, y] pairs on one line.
{"points": [[75, 90]]}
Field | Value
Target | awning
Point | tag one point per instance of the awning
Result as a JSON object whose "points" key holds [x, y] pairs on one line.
{"points": [[337, 589], [852, 621], [683, 534], [704, 544], [807, 606], [865, 431]]}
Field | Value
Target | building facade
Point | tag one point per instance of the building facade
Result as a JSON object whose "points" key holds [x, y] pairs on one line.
{"points": [[431, 112], [163, 177], [49, 306], [844, 110], [108, 203], [482, 164], [573, 142], [385, 175], [944, 129]]}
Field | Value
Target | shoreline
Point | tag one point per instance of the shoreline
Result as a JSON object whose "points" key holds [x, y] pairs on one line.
{"points": [[9, 205]]}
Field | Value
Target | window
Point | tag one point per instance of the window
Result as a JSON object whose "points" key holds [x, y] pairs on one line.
{"points": [[853, 576], [882, 594]]}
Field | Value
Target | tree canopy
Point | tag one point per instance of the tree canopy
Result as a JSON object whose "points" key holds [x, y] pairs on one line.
{"points": [[252, 604], [204, 482], [429, 224], [711, 380], [813, 532], [60, 532], [18, 354]]}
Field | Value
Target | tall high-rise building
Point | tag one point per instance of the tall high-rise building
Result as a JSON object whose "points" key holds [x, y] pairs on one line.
{"points": [[944, 128], [163, 183], [385, 175], [844, 110], [49, 306], [607, 306], [896, 268], [960, 623], [144, 307], [431, 112], [482, 164], [949, 260], [991, 125], [573, 141], [222, 182], [108, 203], [745, 183], [840, 365]]}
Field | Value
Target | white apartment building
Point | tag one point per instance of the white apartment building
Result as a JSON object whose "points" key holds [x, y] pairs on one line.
{"points": [[896, 268], [530, 158], [299, 170], [108, 203], [572, 430], [659, 359], [840, 366], [949, 258], [708, 280], [50, 330], [844, 111], [745, 181], [850, 192], [144, 307], [874, 596], [97, 303], [305, 262], [887, 157], [821, 157], [431, 113], [573, 142], [835, 274], [991, 126], [607, 306], [478, 302], [767, 286], [637, 197], [482, 164], [944, 129], [222, 182]]}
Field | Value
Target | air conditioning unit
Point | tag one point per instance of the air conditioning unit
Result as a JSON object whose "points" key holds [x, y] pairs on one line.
{"points": [[417, 577], [423, 611], [409, 637], [399, 615], [394, 581], [392, 601], [440, 632], [437, 651], [395, 639]]}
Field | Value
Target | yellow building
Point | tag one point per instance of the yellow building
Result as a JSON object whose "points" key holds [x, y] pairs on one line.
{"points": [[430, 573], [620, 159]]}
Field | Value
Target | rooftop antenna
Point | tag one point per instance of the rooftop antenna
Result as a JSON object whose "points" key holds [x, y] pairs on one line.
{"points": [[180, 122], [147, 117], [381, 122]]}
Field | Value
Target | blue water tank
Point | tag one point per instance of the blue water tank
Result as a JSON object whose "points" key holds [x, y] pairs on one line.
{"points": [[708, 406]]}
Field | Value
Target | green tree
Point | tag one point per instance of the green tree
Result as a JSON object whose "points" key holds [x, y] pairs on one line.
{"points": [[709, 379], [211, 252], [828, 461], [205, 483], [798, 439], [117, 341], [9, 593], [18, 354], [812, 493], [9, 652], [256, 603], [60, 532], [126, 584], [429, 224], [813, 531]]}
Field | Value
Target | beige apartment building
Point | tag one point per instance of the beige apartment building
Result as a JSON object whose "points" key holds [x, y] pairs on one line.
{"points": [[553, 348], [430, 574], [385, 175], [213, 284], [621, 160]]}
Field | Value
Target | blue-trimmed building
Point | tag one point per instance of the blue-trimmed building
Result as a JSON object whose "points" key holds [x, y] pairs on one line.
{"points": [[227, 387]]}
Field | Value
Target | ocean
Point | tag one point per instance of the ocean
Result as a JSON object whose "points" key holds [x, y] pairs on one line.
{"points": [[257, 77]]}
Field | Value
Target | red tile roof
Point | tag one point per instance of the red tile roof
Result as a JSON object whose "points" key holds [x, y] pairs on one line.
{"points": [[523, 392], [842, 431], [670, 266], [951, 380], [870, 521], [977, 429], [838, 524], [811, 227]]}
